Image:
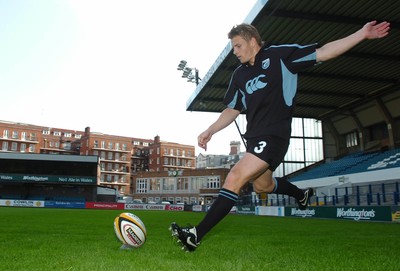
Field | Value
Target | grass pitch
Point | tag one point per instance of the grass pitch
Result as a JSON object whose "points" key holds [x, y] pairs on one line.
{"points": [[74, 239]]}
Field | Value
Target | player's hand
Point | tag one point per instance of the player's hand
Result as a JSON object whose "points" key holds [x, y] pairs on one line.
{"points": [[376, 31], [203, 139]]}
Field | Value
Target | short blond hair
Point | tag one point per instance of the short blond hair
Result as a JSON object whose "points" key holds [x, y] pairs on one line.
{"points": [[246, 31]]}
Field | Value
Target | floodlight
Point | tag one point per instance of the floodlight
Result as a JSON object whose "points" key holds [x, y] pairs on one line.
{"points": [[192, 74], [182, 65], [186, 71]]}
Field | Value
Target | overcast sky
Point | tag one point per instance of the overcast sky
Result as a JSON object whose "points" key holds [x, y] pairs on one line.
{"points": [[111, 64]]}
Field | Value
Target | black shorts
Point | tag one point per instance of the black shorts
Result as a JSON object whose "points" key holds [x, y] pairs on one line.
{"points": [[269, 149]]}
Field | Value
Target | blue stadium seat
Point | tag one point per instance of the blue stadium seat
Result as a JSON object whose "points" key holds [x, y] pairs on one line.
{"points": [[353, 163]]}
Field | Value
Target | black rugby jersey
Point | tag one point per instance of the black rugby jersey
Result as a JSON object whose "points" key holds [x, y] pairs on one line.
{"points": [[266, 91]]}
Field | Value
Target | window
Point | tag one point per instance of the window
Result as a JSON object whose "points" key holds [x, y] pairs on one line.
{"points": [[145, 144], [15, 134], [6, 134], [109, 156], [14, 146], [351, 139], [95, 144], [31, 148], [23, 136], [78, 136], [136, 143], [103, 144], [141, 186], [124, 147], [123, 179], [67, 134], [117, 147], [66, 145], [306, 146], [297, 150], [56, 133], [23, 147], [46, 132], [182, 184], [155, 184], [213, 182], [4, 146], [110, 145], [168, 184], [312, 128]]}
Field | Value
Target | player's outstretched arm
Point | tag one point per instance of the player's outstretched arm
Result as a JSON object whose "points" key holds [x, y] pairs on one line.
{"points": [[225, 118], [370, 30]]}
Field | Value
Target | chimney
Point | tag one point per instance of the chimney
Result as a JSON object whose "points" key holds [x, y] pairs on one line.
{"points": [[235, 147]]}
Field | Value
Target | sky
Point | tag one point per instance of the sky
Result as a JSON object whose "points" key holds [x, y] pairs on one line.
{"points": [[111, 65]]}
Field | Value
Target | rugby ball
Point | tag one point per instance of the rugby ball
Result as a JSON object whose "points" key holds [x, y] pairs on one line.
{"points": [[130, 229]]}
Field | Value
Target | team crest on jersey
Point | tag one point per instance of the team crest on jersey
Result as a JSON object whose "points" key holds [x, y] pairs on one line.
{"points": [[265, 63]]}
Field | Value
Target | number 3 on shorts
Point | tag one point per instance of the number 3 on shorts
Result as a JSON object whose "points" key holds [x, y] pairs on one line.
{"points": [[260, 147]]}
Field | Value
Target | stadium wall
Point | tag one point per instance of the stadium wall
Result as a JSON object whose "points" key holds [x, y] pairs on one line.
{"points": [[355, 213]]}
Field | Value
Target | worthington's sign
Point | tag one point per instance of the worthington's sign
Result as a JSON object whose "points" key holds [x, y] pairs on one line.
{"points": [[352, 213], [357, 213]]}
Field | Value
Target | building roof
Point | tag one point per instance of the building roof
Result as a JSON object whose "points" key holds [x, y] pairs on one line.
{"points": [[48, 157], [368, 72]]}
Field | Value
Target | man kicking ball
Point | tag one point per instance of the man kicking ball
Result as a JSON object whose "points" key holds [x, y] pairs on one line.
{"points": [[264, 87]]}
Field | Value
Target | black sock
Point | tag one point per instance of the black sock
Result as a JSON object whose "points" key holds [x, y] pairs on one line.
{"points": [[282, 186], [218, 210]]}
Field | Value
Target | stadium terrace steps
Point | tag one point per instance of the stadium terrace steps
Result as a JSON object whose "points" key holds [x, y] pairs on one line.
{"points": [[353, 163]]}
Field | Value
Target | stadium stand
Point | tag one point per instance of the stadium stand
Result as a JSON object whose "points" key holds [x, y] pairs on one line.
{"points": [[354, 163]]}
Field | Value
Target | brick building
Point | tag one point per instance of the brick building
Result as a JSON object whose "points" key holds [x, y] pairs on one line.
{"points": [[179, 186], [166, 156], [27, 138], [120, 157]]}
